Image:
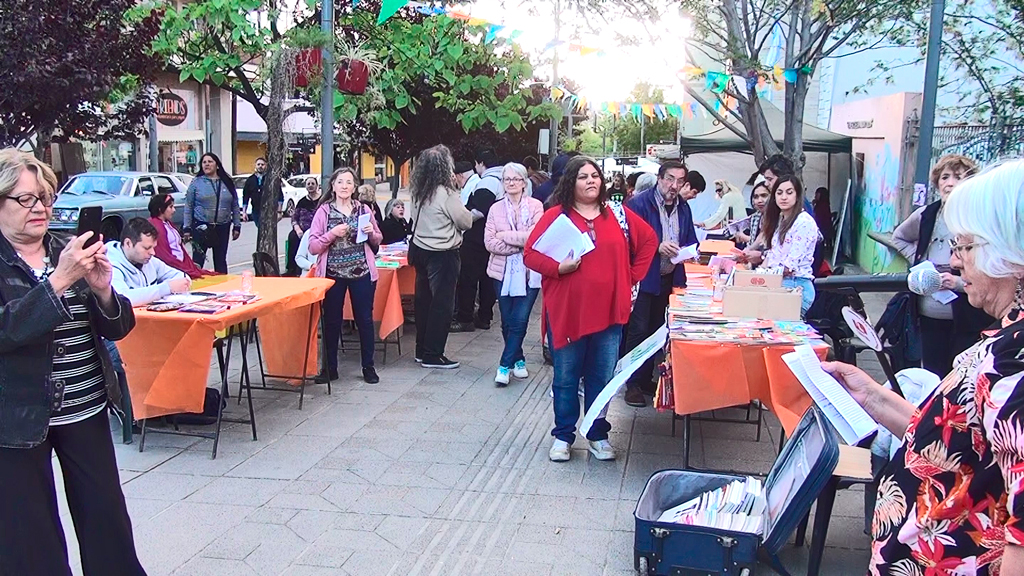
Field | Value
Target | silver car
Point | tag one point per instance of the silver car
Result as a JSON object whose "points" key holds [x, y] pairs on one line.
{"points": [[122, 195]]}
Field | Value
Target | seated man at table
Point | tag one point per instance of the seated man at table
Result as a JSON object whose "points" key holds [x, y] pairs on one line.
{"points": [[137, 274], [665, 208]]}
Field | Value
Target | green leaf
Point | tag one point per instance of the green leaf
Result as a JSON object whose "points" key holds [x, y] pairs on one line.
{"points": [[456, 51], [184, 75], [402, 100]]}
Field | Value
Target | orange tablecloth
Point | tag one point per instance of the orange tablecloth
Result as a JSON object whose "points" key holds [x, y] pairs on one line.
{"points": [[167, 356], [392, 284], [717, 246], [712, 375]]}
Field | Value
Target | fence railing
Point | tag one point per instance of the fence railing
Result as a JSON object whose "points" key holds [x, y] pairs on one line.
{"points": [[981, 142]]}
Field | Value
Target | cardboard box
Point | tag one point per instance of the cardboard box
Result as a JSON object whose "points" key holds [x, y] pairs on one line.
{"points": [[762, 303], [749, 278]]}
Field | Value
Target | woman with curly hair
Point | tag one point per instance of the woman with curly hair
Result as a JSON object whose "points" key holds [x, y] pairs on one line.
{"points": [[439, 219]]}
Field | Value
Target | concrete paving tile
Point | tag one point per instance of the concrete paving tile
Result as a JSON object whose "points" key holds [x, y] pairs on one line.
{"points": [[620, 551], [504, 567], [129, 457], [401, 531], [202, 566], [288, 458], [371, 562], [240, 541], [326, 555], [344, 496], [268, 515], [337, 421], [301, 502], [399, 500], [163, 486], [198, 462], [239, 491], [443, 452], [126, 476], [299, 570], [176, 535], [272, 558], [142, 509]]}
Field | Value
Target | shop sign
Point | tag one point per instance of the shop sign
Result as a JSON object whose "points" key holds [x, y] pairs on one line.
{"points": [[171, 109]]}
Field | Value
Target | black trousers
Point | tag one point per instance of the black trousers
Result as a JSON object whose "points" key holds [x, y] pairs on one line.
{"points": [[647, 316], [217, 238], [31, 538], [474, 281], [436, 276], [293, 249]]}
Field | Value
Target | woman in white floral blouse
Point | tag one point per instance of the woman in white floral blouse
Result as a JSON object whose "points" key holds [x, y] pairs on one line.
{"points": [[790, 235], [952, 499]]}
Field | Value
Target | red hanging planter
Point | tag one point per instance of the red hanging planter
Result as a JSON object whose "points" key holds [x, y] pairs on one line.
{"points": [[308, 65], [352, 77]]}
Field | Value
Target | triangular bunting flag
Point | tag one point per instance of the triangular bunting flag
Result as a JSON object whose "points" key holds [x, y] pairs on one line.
{"points": [[674, 110], [586, 50], [515, 34], [557, 93], [492, 32], [477, 21], [458, 15], [388, 9], [789, 75], [648, 110]]}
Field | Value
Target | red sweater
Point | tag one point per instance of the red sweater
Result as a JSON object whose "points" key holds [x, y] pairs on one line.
{"points": [[597, 294], [163, 252]]}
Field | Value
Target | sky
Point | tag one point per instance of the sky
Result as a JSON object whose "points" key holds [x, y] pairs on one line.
{"points": [[602, 78]]}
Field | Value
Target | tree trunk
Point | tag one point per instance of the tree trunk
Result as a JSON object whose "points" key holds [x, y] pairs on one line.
{"points": [[266, 238]]}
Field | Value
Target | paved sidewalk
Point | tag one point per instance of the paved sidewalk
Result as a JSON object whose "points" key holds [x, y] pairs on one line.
{"points": [[426, 473]]}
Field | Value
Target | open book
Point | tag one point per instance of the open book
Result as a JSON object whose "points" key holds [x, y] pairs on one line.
{"points": [[845, 414]]}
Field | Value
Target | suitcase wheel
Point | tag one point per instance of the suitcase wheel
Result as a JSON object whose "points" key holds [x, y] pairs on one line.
{"points": [[641, 567]]}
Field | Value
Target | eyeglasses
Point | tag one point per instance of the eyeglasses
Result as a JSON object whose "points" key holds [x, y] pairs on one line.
{"points": [[30, 200], [957, 248], [512, 180], [670, 180]]}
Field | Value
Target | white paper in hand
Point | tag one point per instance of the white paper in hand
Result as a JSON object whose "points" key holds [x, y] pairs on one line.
{"points": [[686, 253], [623, 370], [364, 219], [850, 420], [945, 296], [563, 238]]}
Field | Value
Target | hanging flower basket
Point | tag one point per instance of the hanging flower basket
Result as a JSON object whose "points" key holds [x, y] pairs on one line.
{"points": [[308, 65], [352, 76]]}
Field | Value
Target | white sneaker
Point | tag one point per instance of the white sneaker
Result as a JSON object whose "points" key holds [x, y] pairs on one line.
{"points": [[519, 370], [601, 449], [560, 451], [501, 378]]}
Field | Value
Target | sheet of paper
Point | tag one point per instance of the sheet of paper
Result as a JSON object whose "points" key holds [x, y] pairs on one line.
{"points": [[738, 226], [686, 253], [845, 414], [364, 219], [945, 296], [561, 238], [623, 370], [702, 234]]}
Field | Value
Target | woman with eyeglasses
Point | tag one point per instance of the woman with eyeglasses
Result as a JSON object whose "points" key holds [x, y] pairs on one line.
{"points": [[951, 500], [587, 297], [509, 223], [56, 379], [302, 219], [946, 329]]}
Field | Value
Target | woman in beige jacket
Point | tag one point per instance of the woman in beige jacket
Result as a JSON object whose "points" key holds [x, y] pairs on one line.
{"points": [[509, 223]]}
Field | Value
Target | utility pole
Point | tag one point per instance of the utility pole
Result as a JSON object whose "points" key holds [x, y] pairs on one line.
{"points": [[931, 87], [643, 146], [555, 80], [327, 97]]}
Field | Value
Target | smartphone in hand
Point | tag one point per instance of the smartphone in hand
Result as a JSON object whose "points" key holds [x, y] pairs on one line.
{"points": [[89, 220]]}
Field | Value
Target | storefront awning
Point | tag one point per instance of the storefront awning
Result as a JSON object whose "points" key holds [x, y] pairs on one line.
{"points": [[165, 134]]}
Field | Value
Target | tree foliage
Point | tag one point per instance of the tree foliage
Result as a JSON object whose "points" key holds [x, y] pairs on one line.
{"points": [[73, 69], [440, 83], [736, 34], [982, 59]]}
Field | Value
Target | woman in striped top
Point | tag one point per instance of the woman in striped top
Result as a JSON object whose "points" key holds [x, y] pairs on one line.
{"points": [[56, 378]]}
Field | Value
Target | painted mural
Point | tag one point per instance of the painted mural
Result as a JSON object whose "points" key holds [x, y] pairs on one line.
{"points": [[877, 211]]}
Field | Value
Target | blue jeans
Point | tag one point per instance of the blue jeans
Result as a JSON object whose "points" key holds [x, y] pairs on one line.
{"points": [[808, 292], [593, 359], [361, 290], [515, 319]]}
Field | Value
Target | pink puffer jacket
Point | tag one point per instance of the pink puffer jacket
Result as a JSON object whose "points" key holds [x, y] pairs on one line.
{"points": [[499, 237]]}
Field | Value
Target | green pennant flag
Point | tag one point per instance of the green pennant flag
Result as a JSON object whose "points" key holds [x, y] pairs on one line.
{"points": [[388, 9]]}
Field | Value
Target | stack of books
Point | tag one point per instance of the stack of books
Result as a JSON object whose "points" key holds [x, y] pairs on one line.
{"points": [[739, 507]]}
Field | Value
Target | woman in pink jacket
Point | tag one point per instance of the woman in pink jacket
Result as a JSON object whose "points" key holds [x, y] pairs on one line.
{"points": [[348, 260], [509, 223]]}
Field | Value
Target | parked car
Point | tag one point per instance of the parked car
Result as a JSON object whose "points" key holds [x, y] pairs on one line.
{"points": [[122, 195], [292, 194], [184, 178]]}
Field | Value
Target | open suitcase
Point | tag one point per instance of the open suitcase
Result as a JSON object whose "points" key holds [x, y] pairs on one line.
{"points": [[795, 480]]}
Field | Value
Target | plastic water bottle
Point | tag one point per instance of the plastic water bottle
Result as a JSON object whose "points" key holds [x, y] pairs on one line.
{"points": [[247, 282]]}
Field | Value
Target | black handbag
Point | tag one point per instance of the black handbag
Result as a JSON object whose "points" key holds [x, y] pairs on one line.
{"points": [[415, 254]]}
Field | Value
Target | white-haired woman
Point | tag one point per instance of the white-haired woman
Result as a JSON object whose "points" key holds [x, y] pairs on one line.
{"points": [[731, 206], [56, 378], [509, 223], [395, 227], [302, 219], [953, 496]]}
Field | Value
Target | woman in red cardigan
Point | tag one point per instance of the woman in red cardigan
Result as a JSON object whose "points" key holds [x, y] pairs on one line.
{"points": [[587, 300], [169, 247]]}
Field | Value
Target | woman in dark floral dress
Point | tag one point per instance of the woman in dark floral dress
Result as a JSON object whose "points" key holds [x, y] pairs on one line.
{"points": [[952, 499]]}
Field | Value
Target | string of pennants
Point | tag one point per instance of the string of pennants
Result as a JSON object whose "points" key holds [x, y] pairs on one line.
{"points": [[654, 111]]}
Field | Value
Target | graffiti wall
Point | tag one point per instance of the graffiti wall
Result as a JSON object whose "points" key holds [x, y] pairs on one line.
{"points": [[876, 210], [878, 127]]}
